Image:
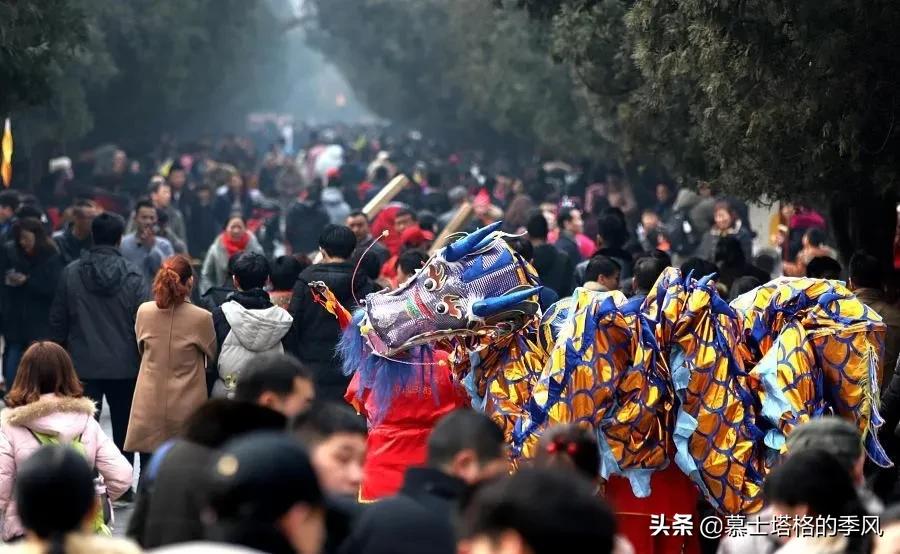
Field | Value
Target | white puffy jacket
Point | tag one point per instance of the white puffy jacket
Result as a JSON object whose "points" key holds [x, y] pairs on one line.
{"points": [[252, 332]]}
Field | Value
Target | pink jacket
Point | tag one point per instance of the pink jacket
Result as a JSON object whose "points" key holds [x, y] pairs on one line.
{"points": [[66, 418]]}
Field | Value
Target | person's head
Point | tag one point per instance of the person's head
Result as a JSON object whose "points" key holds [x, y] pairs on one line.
{"points": [[865, 272], [646, 272], [263, 493], [31, 236], [698, 268], [107, 229], [219, 420], [278, 382], [145, 215], [834, 435], [409, 262], [204, 194], [404, 219], [236, 184], [570, 446], [612, 231], [742, 285], [889, 541], [359, 224], [55, 494], [824, 267], [235, 227], [45, 368], [538, 511], [536, 226], [336, 243], [177, 177], [173, 282], [285, 270], [649, 220], [251, 271], [522, 247], [724, 216], [614, 178], [663, 193], [729, 253], [603, 270], [9, 203], [811, 483], [336, 438], [467, 445], [457, 195], [569, 220], [814, 238], [160, 193], [83, 214]]}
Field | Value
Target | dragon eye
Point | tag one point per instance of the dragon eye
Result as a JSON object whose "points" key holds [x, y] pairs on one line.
{"points": [[441, 308], [430, 284]]}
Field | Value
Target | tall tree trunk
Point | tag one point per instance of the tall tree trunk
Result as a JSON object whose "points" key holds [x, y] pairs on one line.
{"points": [[865, 221]]}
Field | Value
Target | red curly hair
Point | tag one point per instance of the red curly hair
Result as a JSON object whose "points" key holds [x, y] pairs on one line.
{"points": [[171, 285]]}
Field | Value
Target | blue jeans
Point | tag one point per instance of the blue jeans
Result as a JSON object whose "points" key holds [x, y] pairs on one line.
{"points": [[11, 356]]}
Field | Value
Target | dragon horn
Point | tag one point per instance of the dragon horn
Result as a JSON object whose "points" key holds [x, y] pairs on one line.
{"points": [[491, 306], [456, 250]]}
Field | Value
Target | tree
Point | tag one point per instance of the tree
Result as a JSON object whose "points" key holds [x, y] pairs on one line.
{"points": [[37, 39]]}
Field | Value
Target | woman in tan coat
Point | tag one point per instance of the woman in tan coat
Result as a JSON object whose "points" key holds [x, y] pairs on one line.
{"points": [[176, 340]]}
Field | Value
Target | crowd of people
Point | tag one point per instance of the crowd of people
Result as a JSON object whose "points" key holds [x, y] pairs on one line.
{"points": [[184, 289]]}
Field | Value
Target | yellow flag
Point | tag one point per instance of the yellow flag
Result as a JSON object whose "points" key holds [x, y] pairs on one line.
{"points": [[7, 146]]}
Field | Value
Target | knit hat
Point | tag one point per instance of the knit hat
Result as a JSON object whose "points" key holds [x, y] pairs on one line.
{"points": [[834, 435], [259, 477]]}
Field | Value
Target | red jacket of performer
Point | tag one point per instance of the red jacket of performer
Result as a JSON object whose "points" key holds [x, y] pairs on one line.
{"points": [[398, 440]]}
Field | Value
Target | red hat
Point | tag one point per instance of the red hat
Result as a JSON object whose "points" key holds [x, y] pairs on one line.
{"points": [[415, 236], [333, 172]]}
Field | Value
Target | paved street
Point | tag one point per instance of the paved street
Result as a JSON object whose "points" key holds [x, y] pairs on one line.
{"points": [[122, 515]]}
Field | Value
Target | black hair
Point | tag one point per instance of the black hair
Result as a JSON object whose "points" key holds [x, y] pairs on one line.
{"points": [[815, 236], [155, 185], [865, 271], [464, 430], [729, 252], [411, 260], [647, 271], [358, 213], [537, 226], [221, 419], [251, 270], [285, 270], [337, 241], [10, 199], [612, 229], [107, 229], [552, 511], [522, 247], [31, 211], [269, 373], [325, 419], [143, 203], [742, 285], [572, 444], [406, 211], [427, 221], [54, 493], [698, 268], [601, 265], [817, 479], [824, 267], [564, 216]]}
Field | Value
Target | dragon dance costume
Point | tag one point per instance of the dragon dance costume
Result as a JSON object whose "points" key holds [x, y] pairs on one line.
{"points": [[679, 379]]}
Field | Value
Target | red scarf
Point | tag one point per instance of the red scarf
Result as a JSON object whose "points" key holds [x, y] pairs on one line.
{"points": [[234, 246]]}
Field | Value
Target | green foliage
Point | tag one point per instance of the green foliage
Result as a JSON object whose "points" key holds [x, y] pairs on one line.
{"points": [[465, 70], [37, 39]]}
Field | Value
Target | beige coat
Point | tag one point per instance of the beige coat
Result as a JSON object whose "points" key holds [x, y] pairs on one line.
{"points": [[175, 345]]}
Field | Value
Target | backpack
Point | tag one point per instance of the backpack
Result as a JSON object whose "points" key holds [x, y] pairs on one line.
{"points": [[103, 517]]}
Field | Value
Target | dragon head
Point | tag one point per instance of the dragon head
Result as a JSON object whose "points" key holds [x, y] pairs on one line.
{"points": [[475, 282]]}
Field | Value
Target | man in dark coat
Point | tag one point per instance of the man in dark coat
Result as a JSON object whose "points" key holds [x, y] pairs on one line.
{"points": [[93, 317], [172, 496], [554, 266], [464, 448], [75, 238], [315, 331]]}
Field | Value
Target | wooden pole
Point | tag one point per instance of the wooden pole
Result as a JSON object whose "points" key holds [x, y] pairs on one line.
{"points": [[385, 195], [459, 219]]}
